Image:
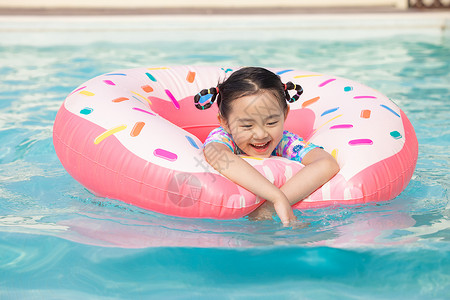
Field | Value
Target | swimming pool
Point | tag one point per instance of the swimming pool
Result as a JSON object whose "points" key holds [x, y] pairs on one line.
{"points": [[58, 241]]}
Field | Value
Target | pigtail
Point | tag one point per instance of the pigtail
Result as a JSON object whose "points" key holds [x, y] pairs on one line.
{"points": [[203, 98], [292, 86]]}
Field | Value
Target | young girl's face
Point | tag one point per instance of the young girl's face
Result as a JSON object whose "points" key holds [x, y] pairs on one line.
{"points": [[256, 123]]}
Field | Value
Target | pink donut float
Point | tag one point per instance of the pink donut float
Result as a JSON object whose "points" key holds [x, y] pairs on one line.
{"points": [[136, 136]]}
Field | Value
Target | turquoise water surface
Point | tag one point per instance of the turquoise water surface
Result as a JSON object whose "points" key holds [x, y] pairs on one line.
{"points": [[58, 241]]}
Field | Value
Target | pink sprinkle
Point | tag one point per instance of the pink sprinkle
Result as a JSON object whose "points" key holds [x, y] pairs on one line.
{"points": [[109, 82], [144, 111], [327, 82], [364, 97], [174, 101], [165, 154], [79, 89], [341, 126], [360, 142]]}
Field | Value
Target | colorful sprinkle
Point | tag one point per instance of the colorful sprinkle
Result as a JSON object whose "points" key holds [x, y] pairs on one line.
{"points": [[390, 109], [191, 141], [252, 157], [118, 74], [157, 68], [120, 99], [304, 76], [165, 154], [149, 102], [87, 93], [190, 77], [360, 142], [144, 111], [396, 135], [284, 71], [332, 119], [138, 99], [147, 88], [326, 82], [310, 101], [79, 89], [174, 101], [227, 70], [329, 111], [342, 126], [364, 97], [137, 129], [108, 133], [365, 113], [109, 82], [348, 89], [334, 153], [150, 76], [86, 111]]}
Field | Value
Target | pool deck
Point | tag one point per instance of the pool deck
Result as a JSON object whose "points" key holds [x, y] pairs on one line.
{"points": [[86, 11]]}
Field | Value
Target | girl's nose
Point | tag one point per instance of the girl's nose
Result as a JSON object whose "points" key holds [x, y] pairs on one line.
{"points": [[259, 132]]}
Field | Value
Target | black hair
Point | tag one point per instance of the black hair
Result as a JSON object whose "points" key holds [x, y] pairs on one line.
{"points": [[248, 81]]}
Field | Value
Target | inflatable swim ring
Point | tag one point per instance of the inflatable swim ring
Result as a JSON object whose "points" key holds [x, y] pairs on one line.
{"points": [[136, 136]]}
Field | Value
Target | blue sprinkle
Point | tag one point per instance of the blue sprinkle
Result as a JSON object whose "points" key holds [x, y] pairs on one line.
{"points": [[86, 111], [390, 109], [348, 89], [329, 111], [138, 100], [396, 135], [191, 141], [284, 71], [120, 74], [227, 70], [150, 76]]}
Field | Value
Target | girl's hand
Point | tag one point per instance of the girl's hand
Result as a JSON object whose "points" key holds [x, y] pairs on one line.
{"points": [[284, 211]]}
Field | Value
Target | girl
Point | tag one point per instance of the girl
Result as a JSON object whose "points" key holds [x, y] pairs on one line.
{"points": [[252, 111]]}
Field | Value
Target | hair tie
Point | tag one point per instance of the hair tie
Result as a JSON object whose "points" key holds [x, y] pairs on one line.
{"points": [[202, 97], [292, 86]]}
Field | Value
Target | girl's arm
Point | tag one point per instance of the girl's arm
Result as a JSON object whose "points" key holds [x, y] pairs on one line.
{"points": [[242, 173], [319, 168]]}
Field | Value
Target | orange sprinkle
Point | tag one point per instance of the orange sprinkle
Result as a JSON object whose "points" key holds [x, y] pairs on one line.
{"points": [[120, 99], [137, 129], [190, 77], [365, 113], [310, 101], [147, 88]]}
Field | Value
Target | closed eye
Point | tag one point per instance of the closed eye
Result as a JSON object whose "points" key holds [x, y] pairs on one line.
{"points": [[272, 123], [246, 126]]}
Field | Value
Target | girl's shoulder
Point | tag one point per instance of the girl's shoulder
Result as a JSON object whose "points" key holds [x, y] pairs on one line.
{"points": [[220, 135], [293, 147]]}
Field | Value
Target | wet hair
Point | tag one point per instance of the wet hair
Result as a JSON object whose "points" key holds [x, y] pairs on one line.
{"points": [[246, 82]]}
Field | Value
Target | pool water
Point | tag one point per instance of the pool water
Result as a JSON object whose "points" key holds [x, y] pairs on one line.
{"points": [[58, 241]]}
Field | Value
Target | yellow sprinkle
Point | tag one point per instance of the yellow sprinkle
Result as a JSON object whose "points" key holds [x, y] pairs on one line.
{"points": [[303, 76], [146, 99], [109, 132], [325, 124], [161, 68], [252, 157], [334, 153], [87, 93]]}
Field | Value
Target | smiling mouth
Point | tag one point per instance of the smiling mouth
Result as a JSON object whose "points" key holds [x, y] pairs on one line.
{"points": [[260, 147]]}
